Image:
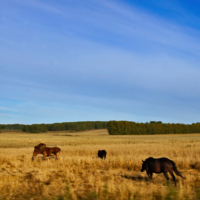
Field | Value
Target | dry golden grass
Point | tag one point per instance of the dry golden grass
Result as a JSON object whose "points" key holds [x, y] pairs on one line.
{"points": [[79, 174]]}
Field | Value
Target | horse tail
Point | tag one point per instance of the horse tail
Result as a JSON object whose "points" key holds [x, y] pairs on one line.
{"points": [[176, 170]]}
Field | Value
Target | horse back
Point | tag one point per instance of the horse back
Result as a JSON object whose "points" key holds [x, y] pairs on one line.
{"points": [[159, 165], [52, 150], [165, 164]]}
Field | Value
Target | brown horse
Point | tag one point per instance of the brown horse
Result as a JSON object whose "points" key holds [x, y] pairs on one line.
{"points": [[102, 154], [46, 151], [160, 165]]}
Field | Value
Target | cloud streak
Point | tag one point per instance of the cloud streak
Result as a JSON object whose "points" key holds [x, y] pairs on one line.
{"points": [[77, 58]]}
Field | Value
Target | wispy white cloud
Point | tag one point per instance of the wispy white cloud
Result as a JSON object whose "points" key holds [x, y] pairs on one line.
{"points": [[113, 18], [97, 54], [8, 109]]}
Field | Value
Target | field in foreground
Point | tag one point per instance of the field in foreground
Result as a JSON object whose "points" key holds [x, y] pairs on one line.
{"points": [[79, 174]]}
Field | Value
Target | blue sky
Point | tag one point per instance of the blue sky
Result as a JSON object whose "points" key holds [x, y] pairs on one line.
{"points": [[63, 61]]}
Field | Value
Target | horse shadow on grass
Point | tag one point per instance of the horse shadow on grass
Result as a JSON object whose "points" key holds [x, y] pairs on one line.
{"points": [[135, 178], [47, 158], [146, 179]]}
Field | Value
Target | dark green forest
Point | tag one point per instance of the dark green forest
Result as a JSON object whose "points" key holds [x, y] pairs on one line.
{"points": [[133, 128], [113, 127], [11, 126], [72, 126]]}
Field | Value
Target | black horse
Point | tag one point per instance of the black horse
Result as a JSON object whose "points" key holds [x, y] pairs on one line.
{"points": [[160, 165], [102, 154]]}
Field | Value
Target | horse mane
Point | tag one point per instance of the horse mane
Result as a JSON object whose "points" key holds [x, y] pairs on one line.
{"points": [[150, 158], [41, 145]]}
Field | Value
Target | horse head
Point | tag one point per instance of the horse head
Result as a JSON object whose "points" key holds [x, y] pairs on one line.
{"points": [[143, 166], [39, 146]]}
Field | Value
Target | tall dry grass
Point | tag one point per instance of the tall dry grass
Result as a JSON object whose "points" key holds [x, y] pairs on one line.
{"points": [[79, 174]]}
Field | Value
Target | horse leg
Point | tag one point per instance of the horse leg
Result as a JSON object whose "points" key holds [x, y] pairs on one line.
{"points": [[149, 175], [44, 155], [166, 176], [57, 155], [34, 155], [173, 177]]}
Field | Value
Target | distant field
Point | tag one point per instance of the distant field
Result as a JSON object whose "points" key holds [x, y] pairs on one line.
{"points": [[79, 174]]}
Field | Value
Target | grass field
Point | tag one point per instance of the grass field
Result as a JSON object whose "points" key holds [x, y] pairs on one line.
{"points": [[79, 174]]}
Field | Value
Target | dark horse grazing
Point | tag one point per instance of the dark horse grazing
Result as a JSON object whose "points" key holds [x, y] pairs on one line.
{"points": [[46, 151], [102, 154], [160, 165]]}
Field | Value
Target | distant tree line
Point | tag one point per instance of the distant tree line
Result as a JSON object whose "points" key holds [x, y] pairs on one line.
{"points": [[11, 126], [72, 126], [113, 127], [133, 128]]}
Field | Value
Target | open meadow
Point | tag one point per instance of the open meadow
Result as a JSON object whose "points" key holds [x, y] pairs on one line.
{"points": [[80, 174]]}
